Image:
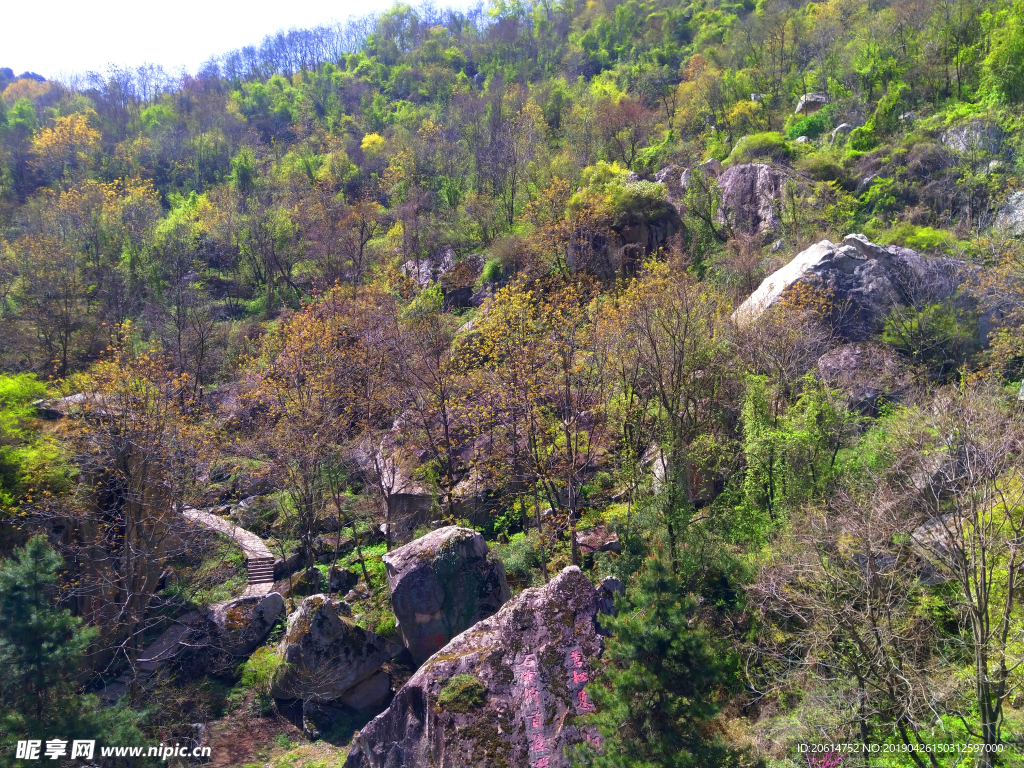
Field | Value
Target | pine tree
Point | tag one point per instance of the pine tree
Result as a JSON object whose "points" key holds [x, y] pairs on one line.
{"points": [[662, 681], [41, 651]]}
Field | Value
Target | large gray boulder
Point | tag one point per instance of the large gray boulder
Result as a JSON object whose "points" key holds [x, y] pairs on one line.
{"points": [[519, 695], [864, 281], [751, 193], [1010, 218], [810, 103], [327, 654], [242, 624], [441, 584], [979, 136]]}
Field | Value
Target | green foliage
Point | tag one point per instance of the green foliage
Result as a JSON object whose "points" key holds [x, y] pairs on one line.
{"points": [[941, 337], [521, 556], [42, 647], [462, 693], [884, 121], [761, 146], [812, 126], [922, 239], [492, 270], [663, 680], [29, 462], [790, 452], [1004, 65]]}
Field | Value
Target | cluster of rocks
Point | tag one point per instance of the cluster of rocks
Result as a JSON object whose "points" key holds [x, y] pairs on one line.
{"points": [[499, 680], [507, 691]]}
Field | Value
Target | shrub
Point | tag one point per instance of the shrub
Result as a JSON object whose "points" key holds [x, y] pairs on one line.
{"points": [[259, 670], [521, 558], [812, 126], [927, 239], [492, 271], [938, 337], [823, 168], [606, 187], [761, 146], [462, 693], [387, 626]]}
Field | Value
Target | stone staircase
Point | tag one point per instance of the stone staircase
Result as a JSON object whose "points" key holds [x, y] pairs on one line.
{"points": [[261, 571]]}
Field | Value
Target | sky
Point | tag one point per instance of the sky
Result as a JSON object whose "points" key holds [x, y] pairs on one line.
{"points": [[68, 36]]}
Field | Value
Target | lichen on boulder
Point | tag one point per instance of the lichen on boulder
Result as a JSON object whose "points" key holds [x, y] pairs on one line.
{"points": [[242, 624], [326, 653]]}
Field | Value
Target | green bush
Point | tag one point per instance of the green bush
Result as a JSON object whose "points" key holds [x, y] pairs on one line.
{"points": [[824, 168], [812, 126], [521, 557], [937, 337], [492, 271], [927, 239], [1004, 65], [27, 460], [761, 146], [387, 626], [462, 693]]}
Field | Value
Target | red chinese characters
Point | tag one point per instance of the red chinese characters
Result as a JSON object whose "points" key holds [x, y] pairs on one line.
{"points": [[583, 702]]}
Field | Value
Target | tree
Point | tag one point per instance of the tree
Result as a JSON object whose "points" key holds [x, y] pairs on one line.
{"points": [[435, 392], [42, 647], [663, 679], [914, 566], [136, 442], [675, 327], [318, 388], [64, 151], [626, 126]]}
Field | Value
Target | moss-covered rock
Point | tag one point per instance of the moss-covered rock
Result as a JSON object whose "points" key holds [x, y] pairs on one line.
{"points": [[326, 653], [462, 693]]}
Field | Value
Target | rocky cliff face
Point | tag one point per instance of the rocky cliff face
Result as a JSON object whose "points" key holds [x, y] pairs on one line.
{"points": [[750, 195], [441, 584], [506, 692], [864, 281]]}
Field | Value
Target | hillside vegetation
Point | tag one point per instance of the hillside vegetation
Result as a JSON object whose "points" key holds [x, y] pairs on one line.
{"points": [[480, 268]]}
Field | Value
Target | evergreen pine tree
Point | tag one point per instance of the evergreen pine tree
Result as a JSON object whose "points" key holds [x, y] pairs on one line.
{"points": [[662, 682], [41, 651]]}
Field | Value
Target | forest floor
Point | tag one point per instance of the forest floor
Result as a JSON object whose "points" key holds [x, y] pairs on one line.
{"points": [[243, 741]]}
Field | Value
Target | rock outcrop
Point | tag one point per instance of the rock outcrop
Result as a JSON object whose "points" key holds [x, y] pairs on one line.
{"points": [[327, 654], [977, 136], [810, 103], [868, 374], [506, 692], [1011, 216], [751, 193], [864, 281], [242, 624], [441, 584]]}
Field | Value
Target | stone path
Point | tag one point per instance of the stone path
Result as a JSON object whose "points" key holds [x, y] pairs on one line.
{"points": [[259, 560]]}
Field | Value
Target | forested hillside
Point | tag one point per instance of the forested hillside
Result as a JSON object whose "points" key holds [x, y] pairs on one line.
{"points": [[593, 383]]}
